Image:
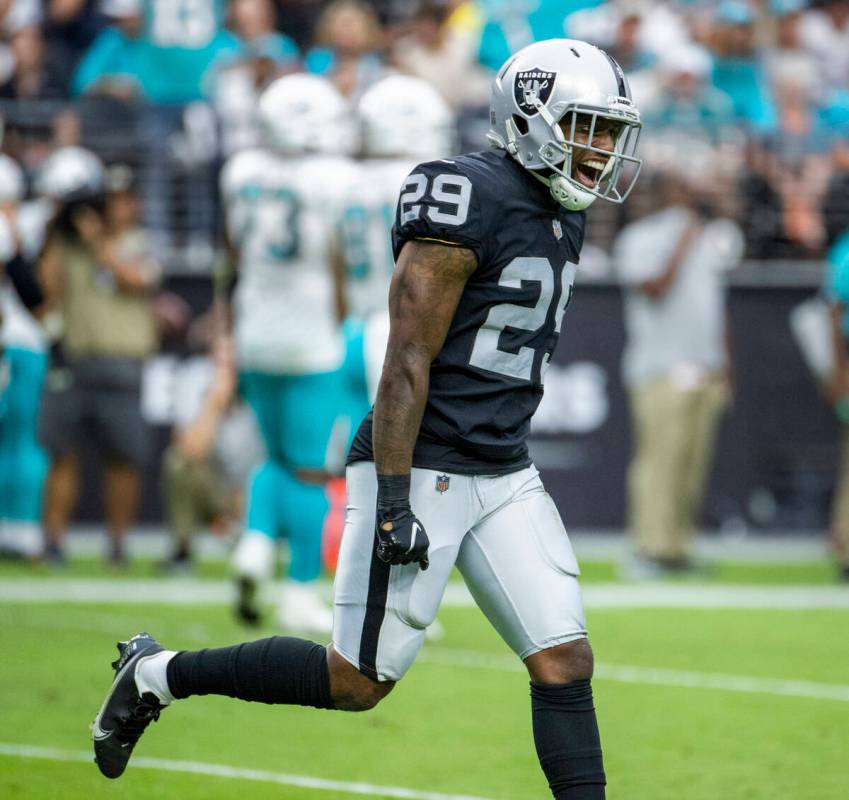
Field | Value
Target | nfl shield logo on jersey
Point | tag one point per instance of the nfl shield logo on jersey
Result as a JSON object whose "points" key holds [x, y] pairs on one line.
{"points": [[533, 84], [558, 229], [442, 482]]}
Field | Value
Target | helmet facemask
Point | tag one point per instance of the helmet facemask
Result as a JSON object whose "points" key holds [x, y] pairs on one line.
{"points": [[564, 152]]}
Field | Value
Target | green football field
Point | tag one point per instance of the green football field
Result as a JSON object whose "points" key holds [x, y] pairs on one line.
{"points": [[712, 690]]}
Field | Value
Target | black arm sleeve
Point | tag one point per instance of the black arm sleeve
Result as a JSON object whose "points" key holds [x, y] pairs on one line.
{"points": [[22, 276]]}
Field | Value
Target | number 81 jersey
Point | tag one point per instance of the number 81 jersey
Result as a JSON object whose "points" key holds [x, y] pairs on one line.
{"points": [[487, 381]]}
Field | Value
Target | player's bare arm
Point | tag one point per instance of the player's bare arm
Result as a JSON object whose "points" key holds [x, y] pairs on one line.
{"points": [[423, 297], [426, 288]]}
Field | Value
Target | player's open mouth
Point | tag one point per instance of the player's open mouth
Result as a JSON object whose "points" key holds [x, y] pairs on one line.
{"points": [[590, 171]]}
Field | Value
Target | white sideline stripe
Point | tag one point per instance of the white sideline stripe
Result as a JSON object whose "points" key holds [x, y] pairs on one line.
{"points": [[223, 771], [651, 675], [597, 596]]}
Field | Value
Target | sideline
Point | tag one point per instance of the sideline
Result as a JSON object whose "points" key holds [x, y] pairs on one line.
{"points": [[655, 676], [223, 771], [194, 591]]}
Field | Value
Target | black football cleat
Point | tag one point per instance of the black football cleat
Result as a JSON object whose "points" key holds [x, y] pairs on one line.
{"points": [[125, 713], [248, 610]]}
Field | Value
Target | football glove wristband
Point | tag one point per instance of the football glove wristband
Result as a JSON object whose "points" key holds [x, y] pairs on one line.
{"points": [[401, 538]]}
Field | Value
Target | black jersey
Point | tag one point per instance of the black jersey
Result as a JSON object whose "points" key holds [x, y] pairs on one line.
{"points": [[487, 380]]}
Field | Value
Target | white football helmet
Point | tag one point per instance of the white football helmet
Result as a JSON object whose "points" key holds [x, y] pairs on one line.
{"points": [[71, 173], [305, 114], [11, 180], [541, 95], [405, 116]]}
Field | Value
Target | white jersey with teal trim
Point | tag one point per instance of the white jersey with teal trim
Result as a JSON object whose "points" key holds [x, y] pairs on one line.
{"points": [[280, 218], [365, 227], [19, 328]]}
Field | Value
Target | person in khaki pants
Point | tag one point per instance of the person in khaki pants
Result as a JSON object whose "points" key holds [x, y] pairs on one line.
{"points": [[671, 265]]}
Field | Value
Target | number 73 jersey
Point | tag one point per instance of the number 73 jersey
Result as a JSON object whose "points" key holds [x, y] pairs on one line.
{"points": [[487, 381], [280, 216]]}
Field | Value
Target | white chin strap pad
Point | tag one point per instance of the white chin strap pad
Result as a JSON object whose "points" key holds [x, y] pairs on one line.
{"points": [[567, 195], [254, 556]]}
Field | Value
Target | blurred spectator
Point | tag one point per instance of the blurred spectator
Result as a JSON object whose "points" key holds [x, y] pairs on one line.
{"points": [[186, 42], [737, 69], [619, 28], [836, 202], [97, 276], [788, 171], [690, 121], [23, 463], [70, 26], [686, 105], [824, 32], [348, 49], [214, 447], [797, 154], [237, 86], [17, 14], [441, 49], [297, 18], [675, 365], [36, 75], [513, 24], [113, 63], [788, 16], [836, 390]]}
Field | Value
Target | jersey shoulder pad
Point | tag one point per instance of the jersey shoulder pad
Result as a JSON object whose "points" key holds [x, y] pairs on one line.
{"points": [[242, 168], [443, 201], [329, 179]]}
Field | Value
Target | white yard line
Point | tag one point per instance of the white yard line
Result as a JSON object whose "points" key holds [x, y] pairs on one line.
{"points": [[655, 676], [597, 596], [237, 773]]}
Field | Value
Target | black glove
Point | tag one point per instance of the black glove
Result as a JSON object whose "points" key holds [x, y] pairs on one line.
{"points": [[401, 538]]}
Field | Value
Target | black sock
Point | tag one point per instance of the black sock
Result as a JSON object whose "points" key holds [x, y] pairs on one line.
{"points": [[567, 740], [276, 670]]}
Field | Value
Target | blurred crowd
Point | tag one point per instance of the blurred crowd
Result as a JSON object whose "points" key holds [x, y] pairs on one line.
{"points": [[745, 107], [751, 97]]}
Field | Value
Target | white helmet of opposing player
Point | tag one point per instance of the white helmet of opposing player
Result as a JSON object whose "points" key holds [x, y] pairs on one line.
{"points": [[11, 180], [70, 173], [305, 114], [405, 116], [549, 102]]}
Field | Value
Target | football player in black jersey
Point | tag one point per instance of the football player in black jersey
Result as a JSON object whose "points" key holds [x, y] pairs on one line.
{"points": [[439, 474]]}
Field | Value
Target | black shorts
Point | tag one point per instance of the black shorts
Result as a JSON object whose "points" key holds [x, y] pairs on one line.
{"points": [[95, 400]]}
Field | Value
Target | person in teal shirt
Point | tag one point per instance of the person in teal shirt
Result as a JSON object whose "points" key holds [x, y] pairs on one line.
{"points": [[161, 51], [112, 63], [513, 24], [736, 68], [185, 38]]}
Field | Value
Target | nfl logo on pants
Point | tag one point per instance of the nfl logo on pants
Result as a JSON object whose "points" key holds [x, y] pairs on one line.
{"points": [[442, 482]]}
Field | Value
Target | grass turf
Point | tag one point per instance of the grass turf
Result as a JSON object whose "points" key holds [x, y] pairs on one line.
{"points": [[454, 729]]}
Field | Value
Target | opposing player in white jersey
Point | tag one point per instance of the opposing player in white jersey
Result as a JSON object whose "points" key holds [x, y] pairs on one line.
{"points": [[23, 362], [279, 203], [403, 121]]}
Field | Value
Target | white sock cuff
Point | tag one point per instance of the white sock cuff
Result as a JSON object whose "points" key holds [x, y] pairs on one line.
{"points": [[152, 676], [254, 556]]}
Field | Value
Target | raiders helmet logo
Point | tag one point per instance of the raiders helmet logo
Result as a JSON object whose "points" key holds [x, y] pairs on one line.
{"points": [[531, 85]]}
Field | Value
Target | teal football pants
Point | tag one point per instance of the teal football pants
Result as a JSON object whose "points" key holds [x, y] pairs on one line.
{"points": [[296, 414], [280, 506], [23, 464]]}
